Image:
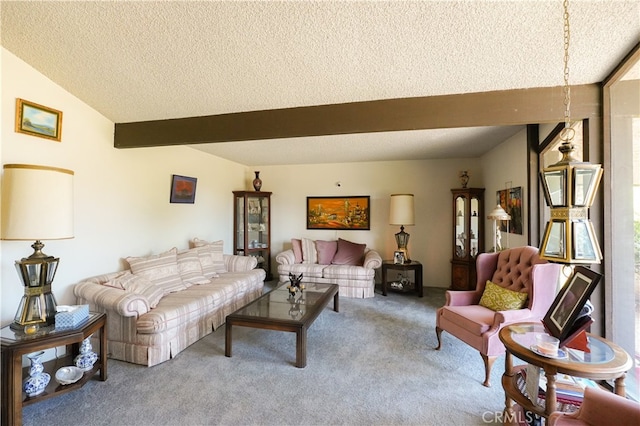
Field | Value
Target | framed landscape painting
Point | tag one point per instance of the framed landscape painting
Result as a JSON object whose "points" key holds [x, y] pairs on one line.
{"points": [[338, 213], [38, 120], [183, 189]]}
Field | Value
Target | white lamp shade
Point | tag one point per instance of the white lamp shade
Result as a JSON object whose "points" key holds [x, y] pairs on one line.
{"points": [[401, 211], [37, 203], [498, 214]]}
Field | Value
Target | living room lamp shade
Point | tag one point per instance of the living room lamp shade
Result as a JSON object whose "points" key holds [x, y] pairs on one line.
{"points": [[37, 204], [401, 212], [498, 214]]}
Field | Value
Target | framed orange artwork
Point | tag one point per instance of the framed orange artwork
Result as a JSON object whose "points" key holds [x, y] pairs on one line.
{"points": [[338, 213]]}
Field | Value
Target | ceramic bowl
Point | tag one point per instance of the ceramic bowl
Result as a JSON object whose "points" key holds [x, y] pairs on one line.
{"points": [[68, 375]]}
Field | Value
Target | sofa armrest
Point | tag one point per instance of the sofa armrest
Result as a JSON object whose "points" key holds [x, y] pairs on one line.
{"points": [[103, 298], [286, 257], [372, 260], [236, 263]]}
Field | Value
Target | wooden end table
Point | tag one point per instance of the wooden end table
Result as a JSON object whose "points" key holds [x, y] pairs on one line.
{"points": [[606, 361], [16, 344], [388, 265]]}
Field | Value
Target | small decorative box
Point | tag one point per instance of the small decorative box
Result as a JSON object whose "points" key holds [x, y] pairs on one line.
{"points": [[71, 316]]}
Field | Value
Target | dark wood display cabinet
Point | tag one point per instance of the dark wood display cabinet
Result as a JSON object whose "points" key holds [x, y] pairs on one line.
{"points": [[252, 227], [468, 236]]}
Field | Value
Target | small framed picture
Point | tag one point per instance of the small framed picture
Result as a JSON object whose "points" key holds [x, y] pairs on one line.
{"points": [[183, 189], [38, 120], [565, 309], [398, 257]]}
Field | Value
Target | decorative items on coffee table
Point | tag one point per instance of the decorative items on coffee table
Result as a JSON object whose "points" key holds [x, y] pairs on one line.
{"points": [[15, 344], [252, 227], [295, 284], [401, 282], [468, 236]]}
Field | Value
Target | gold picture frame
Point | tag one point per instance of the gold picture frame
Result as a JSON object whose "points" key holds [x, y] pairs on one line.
{"points": [[38, 120]]}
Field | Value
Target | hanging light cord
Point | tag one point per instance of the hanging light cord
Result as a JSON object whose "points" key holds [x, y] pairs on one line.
{"points": [[568, 132]]}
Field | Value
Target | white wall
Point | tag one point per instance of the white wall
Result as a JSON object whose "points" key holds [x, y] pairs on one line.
{"points": [[121, 196], [122, 207], [505, 167]]}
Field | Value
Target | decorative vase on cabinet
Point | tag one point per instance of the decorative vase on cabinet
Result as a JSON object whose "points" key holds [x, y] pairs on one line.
{"points": [[252, 227], [468, 236]]}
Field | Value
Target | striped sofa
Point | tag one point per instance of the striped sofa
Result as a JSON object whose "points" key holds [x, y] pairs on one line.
{"points": [[321, 262], [148, 327]]}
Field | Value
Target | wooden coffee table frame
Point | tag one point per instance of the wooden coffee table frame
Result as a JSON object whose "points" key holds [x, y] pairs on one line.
{"points": [[298, 326]]}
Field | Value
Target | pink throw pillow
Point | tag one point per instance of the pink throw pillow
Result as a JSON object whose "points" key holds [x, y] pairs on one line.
{"points": [[349, 253], [297, 249], [326, 251]]}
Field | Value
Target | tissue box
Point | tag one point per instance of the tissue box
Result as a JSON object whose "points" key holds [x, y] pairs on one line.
{"points": [[73, 317]]}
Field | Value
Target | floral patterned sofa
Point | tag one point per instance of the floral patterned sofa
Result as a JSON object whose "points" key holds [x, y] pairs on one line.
{"points": [[350, 265], [168, 301]]}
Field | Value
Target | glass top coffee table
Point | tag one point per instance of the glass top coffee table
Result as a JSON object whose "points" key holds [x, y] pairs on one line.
{"points": [[276, 310]]}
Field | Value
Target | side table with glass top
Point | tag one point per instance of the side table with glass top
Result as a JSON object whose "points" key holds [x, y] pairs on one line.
{"points": [[604, 361], [15, 344]]}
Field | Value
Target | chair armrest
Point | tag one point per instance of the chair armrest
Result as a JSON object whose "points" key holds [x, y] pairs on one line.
{"points": [[462, 298], [286, 257], [103, 298], [515, 315], [236, 263], [372, 260]]}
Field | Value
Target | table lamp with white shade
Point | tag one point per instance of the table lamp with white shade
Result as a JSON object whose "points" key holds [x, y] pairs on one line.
{"points": [[401, 212], [498, 214], [37, 204]]}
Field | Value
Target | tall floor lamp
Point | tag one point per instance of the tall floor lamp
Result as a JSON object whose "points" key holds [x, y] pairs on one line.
{"points": [[401, 212], [37, 204], [498, 214]]}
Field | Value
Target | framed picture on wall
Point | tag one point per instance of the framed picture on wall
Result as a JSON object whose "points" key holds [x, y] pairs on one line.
{"points": [[38, 120], [183, 189], [338, 213]]}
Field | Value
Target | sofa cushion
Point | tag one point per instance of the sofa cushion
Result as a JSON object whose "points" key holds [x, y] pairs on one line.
{"points": [[139, 285], [349, 253], [296, 245], [309, 270], [161, 269], [348, 272], [309, 252], [326, 250], [214, 264], [497, 298], [190, 268]]}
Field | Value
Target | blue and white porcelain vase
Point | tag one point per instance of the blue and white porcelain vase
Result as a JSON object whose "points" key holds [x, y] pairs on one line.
{"points": [[38, 380], [86, 358]]}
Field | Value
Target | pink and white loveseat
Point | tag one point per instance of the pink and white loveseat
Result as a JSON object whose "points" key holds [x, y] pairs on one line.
{"points": [[168, 301], [350, 265]]}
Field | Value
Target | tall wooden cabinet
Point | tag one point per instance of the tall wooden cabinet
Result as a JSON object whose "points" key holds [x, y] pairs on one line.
{"points": [[252, 226], [468, 236]]}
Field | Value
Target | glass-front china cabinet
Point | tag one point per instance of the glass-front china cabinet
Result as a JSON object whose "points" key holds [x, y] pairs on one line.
{"points": [[252, 226], [468, 236]]}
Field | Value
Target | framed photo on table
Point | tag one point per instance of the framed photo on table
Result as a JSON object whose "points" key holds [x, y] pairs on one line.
{"points": [[563, 318], [398, 257]]}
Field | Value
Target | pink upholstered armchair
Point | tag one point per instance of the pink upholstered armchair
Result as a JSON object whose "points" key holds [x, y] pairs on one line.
{"points": [[519, 269], [600, 407]]}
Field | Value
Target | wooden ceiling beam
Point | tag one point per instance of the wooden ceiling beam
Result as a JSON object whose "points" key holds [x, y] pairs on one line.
{"points": [[498, 108]]}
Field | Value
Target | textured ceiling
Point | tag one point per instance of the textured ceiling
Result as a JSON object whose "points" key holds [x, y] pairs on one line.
{"points": [[135, 61]]}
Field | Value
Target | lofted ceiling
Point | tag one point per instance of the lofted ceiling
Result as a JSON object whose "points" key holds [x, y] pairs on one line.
{"points": [[142, 60]]}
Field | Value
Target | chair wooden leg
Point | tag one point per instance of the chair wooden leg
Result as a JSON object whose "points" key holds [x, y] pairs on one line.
{"points": [[488, 363], [439, 336]]}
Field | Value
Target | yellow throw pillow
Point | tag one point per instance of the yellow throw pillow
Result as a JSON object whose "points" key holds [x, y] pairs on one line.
{"points": [[497, 298]]}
